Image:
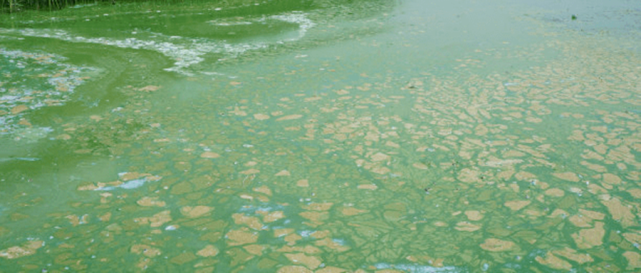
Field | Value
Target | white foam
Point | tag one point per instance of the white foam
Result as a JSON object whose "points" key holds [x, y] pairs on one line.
{"points": [[184, 51], [299, 18], [131, 184], [418, 268], [229, 24], [36, 88]]}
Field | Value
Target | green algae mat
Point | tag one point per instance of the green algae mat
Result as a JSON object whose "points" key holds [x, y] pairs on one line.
{"points": [[321, 136]]}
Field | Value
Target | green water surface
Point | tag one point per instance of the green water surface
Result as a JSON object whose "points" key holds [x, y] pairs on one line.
{"points": [[321, 136]]}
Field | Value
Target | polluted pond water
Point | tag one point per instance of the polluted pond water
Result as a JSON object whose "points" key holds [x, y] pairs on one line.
{"points": [[321, 136]]}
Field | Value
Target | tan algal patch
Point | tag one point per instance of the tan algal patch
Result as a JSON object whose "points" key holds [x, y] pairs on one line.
{"points": [[145, 250], [523, 175], [273, 216], [505, 175], [105, 217], [497, 245], [314, 215], [261, 116], [636, 193], [380, 170], [513, 153], [250, 172], [481, 130], [263, 189], [300, 258], [367, 187], [320, 234], [73, 219], [157, 220], [392, 144], [208, 251], [634, 260], [611, 179], [306, 249], [420, 166], [289, 117], [474, 215], [379, 157], [594, 167], [293, 269], [318, 206], [553, 262], [149, 88], [466, 226], [302, 183], [28, 248], [329, 243], [592, 214], [150, 202], [350, 211], [580, 221], [183, 258], [18, 109], [250, 221], [634, 238], [571, 254], [292, 238], [241, 236], [502, 162], [555, 192], [197, 211], [283, 173], [209, 155], [282, 232], [254, 249], [126, 176], [569, 176], [517, 205], [559, 213], [588, 238], [440, 224], [469, 175], [620, 212]]}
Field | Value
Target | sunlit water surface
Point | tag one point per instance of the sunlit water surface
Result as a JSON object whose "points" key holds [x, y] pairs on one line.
{"points": [[322, 136]]}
